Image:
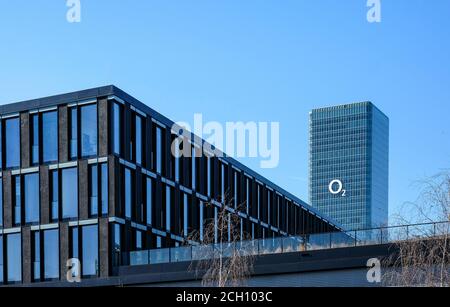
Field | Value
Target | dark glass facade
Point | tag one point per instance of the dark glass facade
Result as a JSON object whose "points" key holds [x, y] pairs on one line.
{"points": [[90, 175], [349, 161]]}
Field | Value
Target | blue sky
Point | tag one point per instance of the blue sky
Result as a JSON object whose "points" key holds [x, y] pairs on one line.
{"points": [[253, 60]]}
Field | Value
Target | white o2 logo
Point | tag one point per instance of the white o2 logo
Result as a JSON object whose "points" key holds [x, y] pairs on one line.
{"points": [[340, 188]]}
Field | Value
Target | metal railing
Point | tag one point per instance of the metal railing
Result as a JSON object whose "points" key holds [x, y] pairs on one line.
{"points": [[278, 245]]}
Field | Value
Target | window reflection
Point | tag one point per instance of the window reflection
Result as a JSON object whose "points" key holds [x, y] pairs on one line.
{"points": [[149, 200], [117, 125], [31, 190], [138, 140], [93, 190], [17, 200], [51, 254], [73, 133], [36, 255], [35, 139], [90, 250], [50, 136], [14, 258], [104, 187], [1, 202], [89, 130], [12, 135], [54, 192], [69, 193], [128, 192]]}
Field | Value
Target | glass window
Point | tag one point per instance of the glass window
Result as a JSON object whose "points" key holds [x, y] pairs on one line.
{"points": [[54, 192], [138, 240], [36, 256], [12, 135], [117, 244], [90, 250], [69, 193], [17, 200], [138, 140], [128, 193], [104, 187], [73, 119], [74, 250], [50, 136], [185, 214], [158, 150], [89, 130], [194, 175], [168, 205], [93, 190], [51, 254], [149, 200], [35, 139], [14, 258], [31, 190], [117, 128]]}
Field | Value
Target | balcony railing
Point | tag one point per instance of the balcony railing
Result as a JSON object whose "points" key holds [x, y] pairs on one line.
{"points": [[333, 240]]}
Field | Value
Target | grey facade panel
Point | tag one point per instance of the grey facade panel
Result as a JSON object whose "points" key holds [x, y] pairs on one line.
{"points": [[103, 121], [7, 200], [63, 143], [27, 270], [64, 248], [104, 247], [45, 194], [25, 140], [83, 180]]}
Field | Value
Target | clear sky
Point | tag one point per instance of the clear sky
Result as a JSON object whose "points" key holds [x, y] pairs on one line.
{"points": [[252, 60]]}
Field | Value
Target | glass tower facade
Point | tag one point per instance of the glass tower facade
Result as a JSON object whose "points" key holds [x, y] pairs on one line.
{"points": [[349, 164]]}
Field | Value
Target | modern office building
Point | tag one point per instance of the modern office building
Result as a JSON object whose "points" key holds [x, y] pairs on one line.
{"points": [[349, 164], [90, 175]]}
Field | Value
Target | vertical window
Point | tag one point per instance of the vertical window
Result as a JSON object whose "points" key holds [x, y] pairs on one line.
{"points": [[73, 119], [54, 192], [138, 140], [14, 258], [222, 182], [201, 221], [34, 139], [194, 175], [89, 130], [51, 254], [168, 205], [12, 135], [31, 190], [36, 256], [185, 214], [208, 171], [235, 190], [139, 244], [128, 193], [17, 200], [149, 200], [247, 194], [117, 244], [70, 193], [90, 250], [177, 158], [93, 190], [104, 187], [50, 136], [117, 128], [158, 150], [74, 246]]}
